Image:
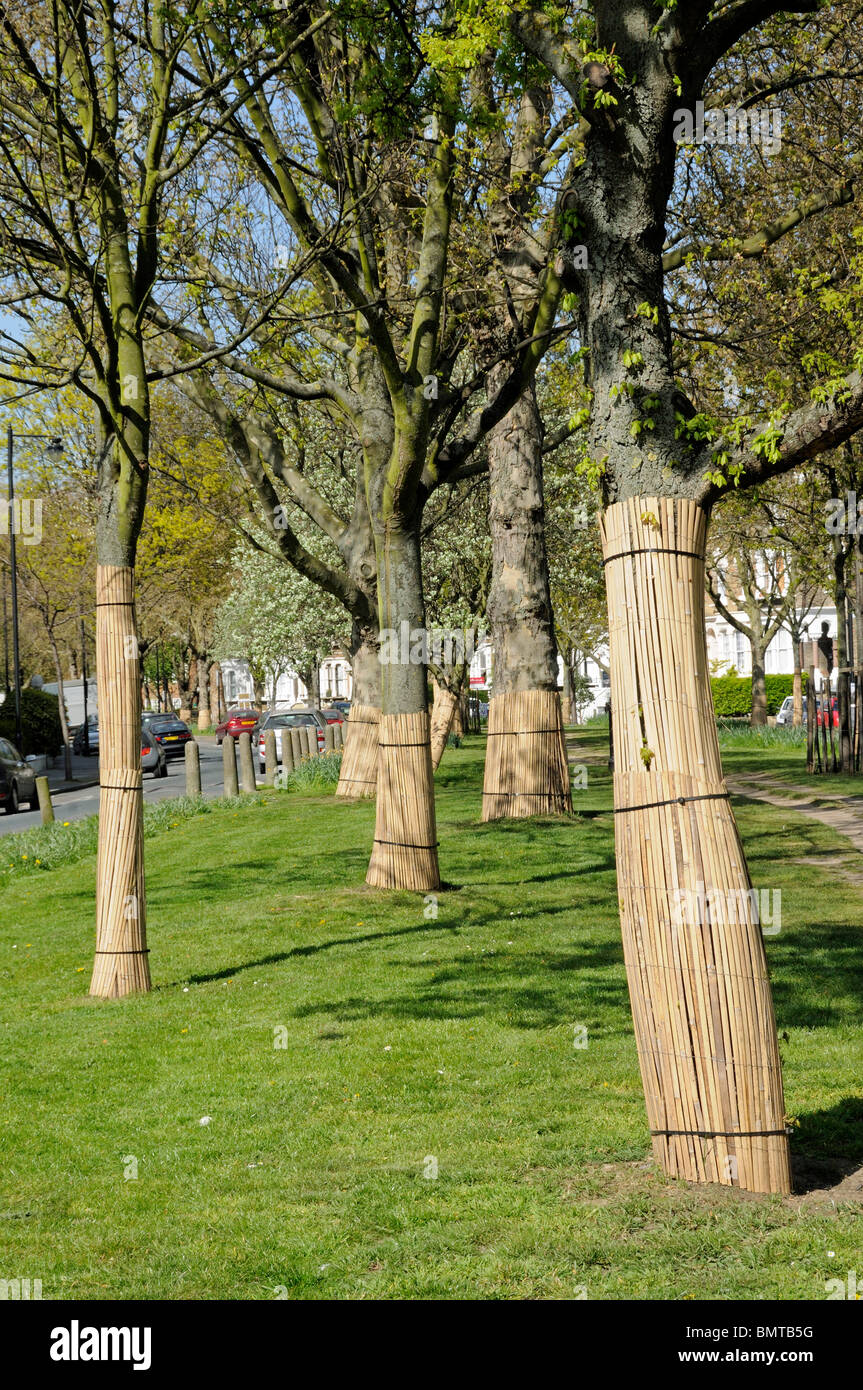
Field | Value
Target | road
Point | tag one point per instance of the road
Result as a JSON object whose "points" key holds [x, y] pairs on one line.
{"points": [[78, 803]]}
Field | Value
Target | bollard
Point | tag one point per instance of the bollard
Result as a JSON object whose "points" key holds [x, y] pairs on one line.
{"points": [[43, 791], [270, 758], [329, 743], [229, 762], [193, 769], [287, 751], [338, 736], [247, 766], [297, 746], [311, 733]]}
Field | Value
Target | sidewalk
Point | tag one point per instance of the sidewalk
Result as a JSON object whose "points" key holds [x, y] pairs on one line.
{"points": [[85, 773]]}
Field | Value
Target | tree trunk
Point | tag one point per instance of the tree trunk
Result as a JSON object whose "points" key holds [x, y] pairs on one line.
{"points": [[358, 778], [758, 717], [843, 677], [797, 687], [526, 769], [121, 965], [61, 702], [693, 948], [405, 848], [218, 710], [205, 722], [444, 710]]}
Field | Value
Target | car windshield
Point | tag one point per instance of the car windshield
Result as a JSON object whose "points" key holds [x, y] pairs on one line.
{"points": [[160, 725], [287, 721]]}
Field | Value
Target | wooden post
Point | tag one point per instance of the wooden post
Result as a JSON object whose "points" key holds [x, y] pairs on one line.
{"points": [[229, 765], [297, 747], [247, 766], [270, 758], [193, 769], [43, 791]]}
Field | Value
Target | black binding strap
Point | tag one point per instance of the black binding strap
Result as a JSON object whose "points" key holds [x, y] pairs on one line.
{"points": [[724, 1133], [674, 801], [142, 951], [426, 744], [655, 550], [115, 787], [519, 733], [401, 845]]}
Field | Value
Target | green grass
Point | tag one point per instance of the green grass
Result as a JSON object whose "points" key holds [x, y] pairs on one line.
{"points": [[407, 1037]]}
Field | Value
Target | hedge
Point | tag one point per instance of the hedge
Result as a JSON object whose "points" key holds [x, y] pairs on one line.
{"points": [[732, 695], [40, 721]]}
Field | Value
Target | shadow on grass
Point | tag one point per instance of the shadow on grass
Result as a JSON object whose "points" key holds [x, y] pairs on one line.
{"points": [[828, 1146], [312, 950]]}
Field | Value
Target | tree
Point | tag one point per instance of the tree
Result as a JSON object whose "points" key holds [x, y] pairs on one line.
{"points": [[627, 70]]}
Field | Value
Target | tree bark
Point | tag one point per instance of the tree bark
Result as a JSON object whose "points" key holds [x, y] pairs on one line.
{"points": [[758, 715], [526, 769]]}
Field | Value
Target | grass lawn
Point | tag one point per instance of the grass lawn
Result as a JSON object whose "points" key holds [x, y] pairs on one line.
{"points": [[347, 1044]]}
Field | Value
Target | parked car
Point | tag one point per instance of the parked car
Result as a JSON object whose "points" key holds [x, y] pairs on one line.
{"points": [[17, 780], [333, 715], [281, 720], [92, 745], [785, 713], [153, 757], [170, 734], [343, 705], [239, 721]]}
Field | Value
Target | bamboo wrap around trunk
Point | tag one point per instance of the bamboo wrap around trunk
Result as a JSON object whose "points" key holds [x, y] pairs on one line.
{"points": [[694, 953], [358, 777], [442, 718], [405, 848], [121, 965], [526, 770]]}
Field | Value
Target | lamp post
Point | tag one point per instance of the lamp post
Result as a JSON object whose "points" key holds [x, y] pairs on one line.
{"points": [[54, 450]]}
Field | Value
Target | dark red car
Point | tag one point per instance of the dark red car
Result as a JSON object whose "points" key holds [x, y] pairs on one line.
{"points": [[239, 721]]}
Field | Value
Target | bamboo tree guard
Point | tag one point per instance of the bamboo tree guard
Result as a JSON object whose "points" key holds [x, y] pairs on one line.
{"points": [[526, 768], [358, 777], [121, 965], [405, 848], [442, 719], [701, 999]]}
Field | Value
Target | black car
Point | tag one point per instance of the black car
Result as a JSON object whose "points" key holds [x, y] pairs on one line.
{"points": [[169, 732], [92, 745], [17, 780]]}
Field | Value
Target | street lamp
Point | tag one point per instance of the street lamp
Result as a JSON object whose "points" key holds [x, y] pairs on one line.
{"points": [[54, 451]]}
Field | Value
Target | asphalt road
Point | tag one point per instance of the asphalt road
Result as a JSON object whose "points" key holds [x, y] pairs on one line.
{"points": [[75, 804]]}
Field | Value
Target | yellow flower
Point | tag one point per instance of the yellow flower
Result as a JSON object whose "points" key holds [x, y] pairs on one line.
{"points": [[66, 822]]}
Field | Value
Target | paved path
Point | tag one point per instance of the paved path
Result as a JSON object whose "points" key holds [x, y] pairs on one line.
{"points": [[80, 800], [845, 817]]}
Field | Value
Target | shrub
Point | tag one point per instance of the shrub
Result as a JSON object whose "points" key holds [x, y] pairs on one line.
{"points": [[40, 721], [732, 694]]}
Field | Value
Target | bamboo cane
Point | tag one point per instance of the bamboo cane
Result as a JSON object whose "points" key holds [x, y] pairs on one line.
{"points": [[121, 964], [443, 715], [526, 768], [405, 848], [693, 948], [359, 771]]}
